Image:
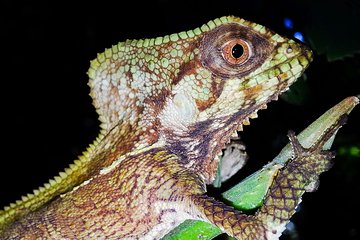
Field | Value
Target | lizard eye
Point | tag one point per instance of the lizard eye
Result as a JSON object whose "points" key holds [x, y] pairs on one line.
{"points": [[236, 51], [233, 50]]}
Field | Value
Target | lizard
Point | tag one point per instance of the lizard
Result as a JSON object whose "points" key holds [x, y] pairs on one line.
{"points": [[167, 106]]}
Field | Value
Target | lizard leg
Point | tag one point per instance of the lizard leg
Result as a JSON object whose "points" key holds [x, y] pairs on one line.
{"points": [[298, 176], [228, 219]]}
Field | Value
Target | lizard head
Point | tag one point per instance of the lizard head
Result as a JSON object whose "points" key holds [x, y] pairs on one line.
{"points": [[192, 90], [237, 68]]}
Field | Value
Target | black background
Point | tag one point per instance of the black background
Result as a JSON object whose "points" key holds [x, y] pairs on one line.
{"points": [[48, 120]]}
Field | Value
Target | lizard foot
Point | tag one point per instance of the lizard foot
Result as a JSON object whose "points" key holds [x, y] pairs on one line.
{"points": [[298, 176]]}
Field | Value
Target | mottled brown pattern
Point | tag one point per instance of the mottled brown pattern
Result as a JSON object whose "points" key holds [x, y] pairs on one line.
{"points": [[202, 105], [186, 68], [147, 173], [252, 91], [119, 203]]}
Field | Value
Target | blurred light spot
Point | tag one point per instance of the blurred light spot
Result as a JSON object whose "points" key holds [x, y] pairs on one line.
{"points": [[299, 36], [290, 226], [354, 151], [288, 23]]}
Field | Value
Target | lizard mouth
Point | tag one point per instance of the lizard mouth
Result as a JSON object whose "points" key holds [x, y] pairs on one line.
{"points": [[297, 64]]}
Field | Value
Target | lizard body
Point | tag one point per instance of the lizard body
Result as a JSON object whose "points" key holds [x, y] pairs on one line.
{"points": [[168, 105]]}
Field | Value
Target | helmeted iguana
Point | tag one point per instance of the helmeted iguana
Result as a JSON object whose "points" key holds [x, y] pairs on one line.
{"points": [[168, 105]]}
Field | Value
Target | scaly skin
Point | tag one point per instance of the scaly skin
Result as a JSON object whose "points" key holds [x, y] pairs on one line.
{"points": [[167, 106]]}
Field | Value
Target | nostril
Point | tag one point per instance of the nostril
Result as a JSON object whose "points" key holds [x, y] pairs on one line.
{"points": [[289, 50]]}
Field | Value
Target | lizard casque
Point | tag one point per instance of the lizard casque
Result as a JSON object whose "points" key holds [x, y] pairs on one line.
{"points": [[168, 105]]}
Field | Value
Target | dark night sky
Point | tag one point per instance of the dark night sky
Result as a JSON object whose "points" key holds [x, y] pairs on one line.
{"points": [[47, 116]]}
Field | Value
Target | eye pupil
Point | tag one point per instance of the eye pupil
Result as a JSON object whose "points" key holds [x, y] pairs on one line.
{"points": [[237, 51]]}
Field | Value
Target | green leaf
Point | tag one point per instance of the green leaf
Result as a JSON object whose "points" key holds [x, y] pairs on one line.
{"points": [[193, 230], [249, 193]]}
